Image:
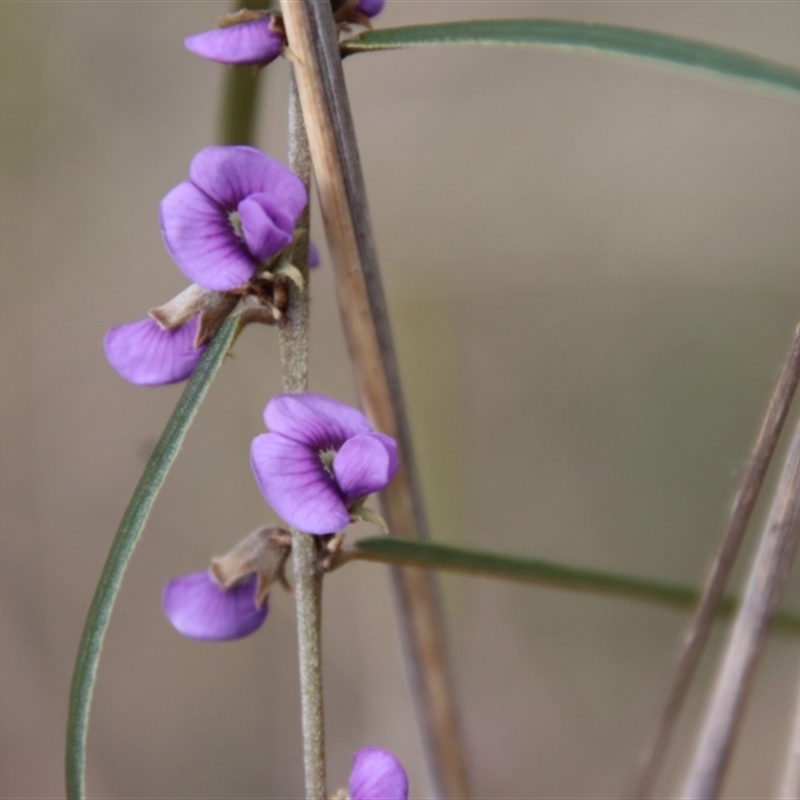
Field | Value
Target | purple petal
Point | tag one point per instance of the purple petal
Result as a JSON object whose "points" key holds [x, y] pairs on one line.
{"points": [[266, 229], [314, 420], [377, 775], [229, 174], [144, 354], [248, 43], [365, 464], [201, 239], [198, 608], [369, 8], [313, 255], [295, 483]]}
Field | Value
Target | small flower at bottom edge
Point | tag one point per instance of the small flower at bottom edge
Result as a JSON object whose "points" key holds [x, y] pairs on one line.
{"points": [[197, 607], [319, 458], [377, 775], [147, 355], [251, 43]]}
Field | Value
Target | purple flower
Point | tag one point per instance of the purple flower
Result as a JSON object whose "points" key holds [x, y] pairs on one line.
{"points": [[370, 8], [249, 43], [377, 775], [237, 210], [199, 608], [145, 354], [318, 460]]}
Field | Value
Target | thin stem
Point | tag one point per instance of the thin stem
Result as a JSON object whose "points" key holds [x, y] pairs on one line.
{"points": [[237, 120], [698, 631], [293, 328], [308, 600], [127, 536], [746, 643], [314, 42], [293, 336], [790, 780]]}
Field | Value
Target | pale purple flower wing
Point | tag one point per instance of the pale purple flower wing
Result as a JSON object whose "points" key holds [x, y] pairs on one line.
{"points": [[365, 464], [266, 228], [369, 8], [144, 354], [377, 775], [202, 241], [315, 420], [248, 43], [295, 483], [198, 608], [229, 174]]}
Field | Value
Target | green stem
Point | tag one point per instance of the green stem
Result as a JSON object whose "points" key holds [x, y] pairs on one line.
{"points": [[238, 121], [428, 555], [293, 335], [128, 534]]}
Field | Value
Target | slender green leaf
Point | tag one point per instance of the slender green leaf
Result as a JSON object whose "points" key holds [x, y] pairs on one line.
{"points": [[127, 536], [427, 555], [586, 36]]}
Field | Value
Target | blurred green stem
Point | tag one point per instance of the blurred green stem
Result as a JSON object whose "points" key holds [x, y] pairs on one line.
{"points": [[128, 534], [238, 106]]}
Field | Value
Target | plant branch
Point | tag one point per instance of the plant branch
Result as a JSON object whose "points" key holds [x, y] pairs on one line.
{"points": [[313, 41], [746, 643], [697, 632], [293, 336]]}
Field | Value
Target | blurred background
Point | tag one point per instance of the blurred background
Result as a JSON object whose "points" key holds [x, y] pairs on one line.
{"points": [[593, 274]]}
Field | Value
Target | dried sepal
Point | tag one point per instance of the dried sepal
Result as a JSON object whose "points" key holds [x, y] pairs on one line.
{"points": [[262, 552], [216, 308], [292, 273], [331, 552], [243, 15], [180, 308], [263, 314]]}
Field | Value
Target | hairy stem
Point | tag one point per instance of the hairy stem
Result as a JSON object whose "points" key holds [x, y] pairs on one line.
{"points": [[293, 328], [343, 202], [293, 334]]}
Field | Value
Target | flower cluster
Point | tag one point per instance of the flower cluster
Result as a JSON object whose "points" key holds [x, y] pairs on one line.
{"points": [[230, 229], [223, 227], [315, 467]]}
